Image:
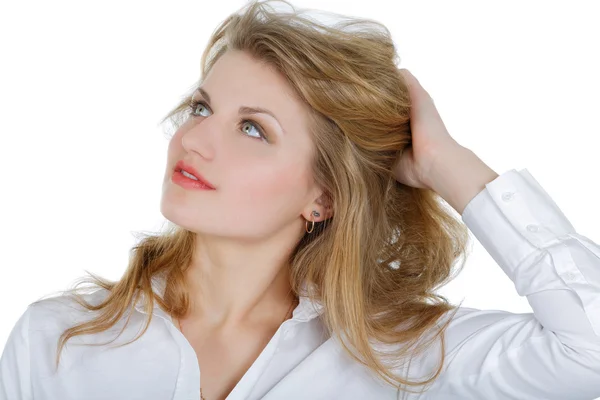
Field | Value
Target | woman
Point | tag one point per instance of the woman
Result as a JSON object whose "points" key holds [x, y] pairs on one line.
{"points": [[304, 184]]}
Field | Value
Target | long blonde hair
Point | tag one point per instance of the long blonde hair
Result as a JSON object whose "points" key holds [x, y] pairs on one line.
{"points": [[375, 265]]}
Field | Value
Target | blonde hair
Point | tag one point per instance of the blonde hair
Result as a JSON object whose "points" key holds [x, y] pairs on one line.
{"points": [[375, 265]]}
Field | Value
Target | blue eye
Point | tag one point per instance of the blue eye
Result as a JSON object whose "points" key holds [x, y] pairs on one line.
{"points": [[196, 104], [252, 124]]}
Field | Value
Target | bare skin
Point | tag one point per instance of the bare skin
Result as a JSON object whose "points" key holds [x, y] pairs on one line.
{"points": [[246, 227], [226, 354]]}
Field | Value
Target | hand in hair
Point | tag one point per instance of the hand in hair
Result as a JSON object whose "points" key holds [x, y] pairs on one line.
{"points": [[435, 160], [430, 138]]}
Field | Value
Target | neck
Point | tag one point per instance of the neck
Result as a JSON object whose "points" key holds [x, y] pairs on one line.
{"points": [[233, 283]]}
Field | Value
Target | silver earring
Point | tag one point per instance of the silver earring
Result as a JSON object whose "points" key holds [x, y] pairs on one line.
{"points": [[316, 214]]}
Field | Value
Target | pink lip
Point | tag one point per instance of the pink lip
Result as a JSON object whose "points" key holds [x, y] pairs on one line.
{"points": [[190, 183]]}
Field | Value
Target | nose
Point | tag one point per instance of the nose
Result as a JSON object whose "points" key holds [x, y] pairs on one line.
{"points": [[201, 138]]}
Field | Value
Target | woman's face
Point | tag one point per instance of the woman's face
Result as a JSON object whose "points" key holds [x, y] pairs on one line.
{"points": [[258, 164]]}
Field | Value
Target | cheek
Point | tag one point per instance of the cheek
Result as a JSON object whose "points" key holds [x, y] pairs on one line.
{"points": [[271, 187]]}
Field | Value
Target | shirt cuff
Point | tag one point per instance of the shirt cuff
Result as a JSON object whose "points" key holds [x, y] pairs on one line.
{"points": [[519, 225]]}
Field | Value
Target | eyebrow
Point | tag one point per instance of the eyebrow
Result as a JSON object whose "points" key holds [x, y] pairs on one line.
{"points": [[245, 109]]}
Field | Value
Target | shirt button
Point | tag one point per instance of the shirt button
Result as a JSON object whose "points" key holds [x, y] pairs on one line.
{"points": [[507, 196], [532, 228], [569, 275]]}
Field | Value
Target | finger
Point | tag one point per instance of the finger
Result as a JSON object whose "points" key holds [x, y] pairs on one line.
{"points": [[414, 86], [412, 80], [408, 77]]}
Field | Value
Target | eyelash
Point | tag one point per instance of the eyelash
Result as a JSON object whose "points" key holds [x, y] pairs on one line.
{"points": [[195, 103]]}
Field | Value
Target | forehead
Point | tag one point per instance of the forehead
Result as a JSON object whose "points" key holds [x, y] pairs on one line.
{"points": [[240, 80]]}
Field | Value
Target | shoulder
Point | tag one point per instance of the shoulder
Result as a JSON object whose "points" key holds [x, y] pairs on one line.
{"points": [[61, 312], [34, 336]]}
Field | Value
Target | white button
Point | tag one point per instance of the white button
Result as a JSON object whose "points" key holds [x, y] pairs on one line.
{"points": [[569, 275], [507, 196], [532, 228]]}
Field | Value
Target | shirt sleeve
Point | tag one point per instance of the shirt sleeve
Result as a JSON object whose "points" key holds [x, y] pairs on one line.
{"points": [[554, 352], [15, 382]]}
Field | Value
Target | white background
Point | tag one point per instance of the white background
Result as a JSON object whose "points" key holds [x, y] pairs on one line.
{"points": [[84, 85]]}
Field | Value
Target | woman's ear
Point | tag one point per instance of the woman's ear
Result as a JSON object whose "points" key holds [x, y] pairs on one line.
{"points": [[322, 206]]}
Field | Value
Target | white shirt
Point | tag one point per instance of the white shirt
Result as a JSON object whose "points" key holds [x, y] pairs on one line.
{"points": [[552, 353]]}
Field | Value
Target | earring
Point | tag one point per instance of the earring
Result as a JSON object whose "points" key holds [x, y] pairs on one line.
{"points": [[315, 214]]}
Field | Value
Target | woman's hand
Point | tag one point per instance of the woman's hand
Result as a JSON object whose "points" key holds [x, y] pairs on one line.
{"points": [[436, 161], [430, 138]]}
